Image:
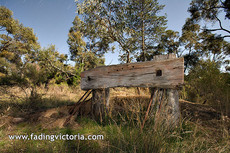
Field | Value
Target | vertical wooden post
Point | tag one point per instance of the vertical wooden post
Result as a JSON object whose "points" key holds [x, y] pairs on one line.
{"points": [[165, 107], [100, 101], [173, 109]]}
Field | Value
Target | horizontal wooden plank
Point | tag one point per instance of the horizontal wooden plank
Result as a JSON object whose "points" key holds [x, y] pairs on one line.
{"points": [[162, 73]]}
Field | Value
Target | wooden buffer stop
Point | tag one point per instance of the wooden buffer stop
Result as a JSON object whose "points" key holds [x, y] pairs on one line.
{"points": [[164, 75]]}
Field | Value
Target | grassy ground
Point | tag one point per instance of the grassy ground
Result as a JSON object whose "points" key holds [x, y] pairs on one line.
{"points": [[201, 128]]}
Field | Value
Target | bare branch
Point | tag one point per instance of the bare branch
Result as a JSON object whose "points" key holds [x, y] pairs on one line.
{"points": [[60, 69], [222, 2], [220, 24], [219, 29], [226, 36], [213, 29]]}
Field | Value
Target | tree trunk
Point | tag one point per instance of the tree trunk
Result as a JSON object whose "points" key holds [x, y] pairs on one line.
{"points": [[128, 57], [33, 92], [143, 41], [143, 33]]}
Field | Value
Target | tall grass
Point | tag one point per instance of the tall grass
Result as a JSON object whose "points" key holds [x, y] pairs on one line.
{"points": [[188, 137], [121, 129]]}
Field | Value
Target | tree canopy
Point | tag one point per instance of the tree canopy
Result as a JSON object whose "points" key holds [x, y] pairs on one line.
{"points": [[15, 39], [85, 54], [206, 41], [134, 26], [210, 11]]}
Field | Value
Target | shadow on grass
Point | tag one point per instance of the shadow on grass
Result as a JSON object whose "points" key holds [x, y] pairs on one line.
{"points": [[20, 107]]}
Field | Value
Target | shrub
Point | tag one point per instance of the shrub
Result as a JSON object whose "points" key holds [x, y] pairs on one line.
{"points": [[206, 84]]}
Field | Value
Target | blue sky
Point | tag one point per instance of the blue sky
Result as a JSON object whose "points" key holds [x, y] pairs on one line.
{"points": [[51, 19]]}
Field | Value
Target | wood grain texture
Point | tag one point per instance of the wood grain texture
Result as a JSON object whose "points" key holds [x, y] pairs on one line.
{"points": [[100, 102], [165, 108], [142, 74]]}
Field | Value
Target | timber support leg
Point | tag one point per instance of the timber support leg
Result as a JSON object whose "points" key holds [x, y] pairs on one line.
{"points": [[165, 107], [100, 103], [173, 109]]}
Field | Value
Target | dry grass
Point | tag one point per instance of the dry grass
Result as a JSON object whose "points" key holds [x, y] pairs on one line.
{"points": [[201, 129]]}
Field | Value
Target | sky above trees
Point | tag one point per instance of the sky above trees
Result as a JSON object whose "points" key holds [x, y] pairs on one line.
{"points": [[51, 20]]}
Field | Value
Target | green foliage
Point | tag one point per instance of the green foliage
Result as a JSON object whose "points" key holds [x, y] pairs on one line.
{"points": [[15, 39], [27, 77], [142, 17], [86, 55], [215, 47], [23, 63], [191, 41], [132, 25], [20, 52], [76, 44], [169, 42], [53, 63], [16, 44], [206, 84], [208, 9], [199, 44]]}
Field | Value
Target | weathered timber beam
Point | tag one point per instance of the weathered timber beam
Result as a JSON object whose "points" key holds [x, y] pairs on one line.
{"points": [[162, 72]]}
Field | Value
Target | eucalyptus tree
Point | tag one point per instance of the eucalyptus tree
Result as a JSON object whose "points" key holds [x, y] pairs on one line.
{"points": [[85, 54], [131, 25], [142, 17], [211, 11], [170, 43], [212, 41], [15, 39], [191, 41], [100, 24]]}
